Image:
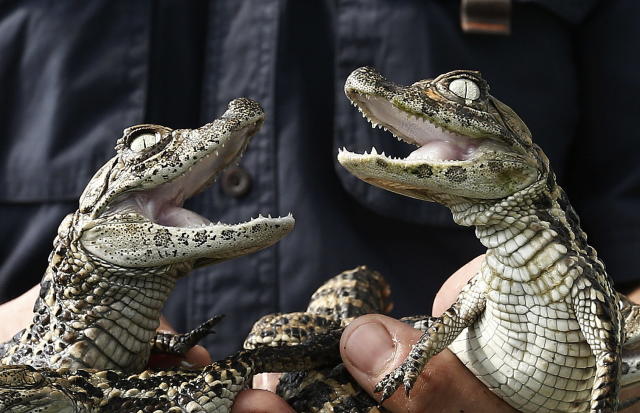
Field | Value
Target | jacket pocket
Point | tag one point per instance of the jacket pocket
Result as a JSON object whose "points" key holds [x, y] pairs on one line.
{"points": [[70, 85]]}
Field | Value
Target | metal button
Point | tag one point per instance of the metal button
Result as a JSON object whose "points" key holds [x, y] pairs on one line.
{"points": [[236, 181]]}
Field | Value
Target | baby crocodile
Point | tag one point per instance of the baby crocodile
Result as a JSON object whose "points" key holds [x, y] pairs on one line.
{"points": [[540, 324], [117, 258]]}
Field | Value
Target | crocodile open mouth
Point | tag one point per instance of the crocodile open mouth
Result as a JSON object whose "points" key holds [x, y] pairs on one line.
{"points": [[163, 205], [435, 143]]}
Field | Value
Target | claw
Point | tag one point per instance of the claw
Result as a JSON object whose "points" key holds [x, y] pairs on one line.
{"points": [[388, 392], [408, 384]]}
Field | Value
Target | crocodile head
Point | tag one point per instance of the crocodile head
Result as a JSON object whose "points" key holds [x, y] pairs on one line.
{"points": [[469, 144], [131, 212]]}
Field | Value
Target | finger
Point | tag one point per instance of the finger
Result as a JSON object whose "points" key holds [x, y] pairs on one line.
{"points": [[17, 313], [449, 291], [260, 401], [198, 356], [266, 381], [165, 326], [634, 296], [374, 345]]}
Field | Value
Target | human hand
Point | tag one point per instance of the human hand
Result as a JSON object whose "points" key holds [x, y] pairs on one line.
{"points": [[17, 313], [374, 345], [435, 392], [260, 401], [445, 385]]}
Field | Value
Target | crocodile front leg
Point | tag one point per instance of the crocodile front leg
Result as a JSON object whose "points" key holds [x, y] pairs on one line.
{"points": [[599, 321], [179, 344], [440, 333]]}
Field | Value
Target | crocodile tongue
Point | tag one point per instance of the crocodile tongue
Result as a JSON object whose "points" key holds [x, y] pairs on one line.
{"points": [[442, 151]]}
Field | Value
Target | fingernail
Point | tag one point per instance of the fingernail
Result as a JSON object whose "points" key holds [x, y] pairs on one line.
{"points": [[369, 348]]}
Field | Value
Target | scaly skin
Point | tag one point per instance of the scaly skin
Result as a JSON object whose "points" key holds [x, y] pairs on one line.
{"points": [[540, 324], [335, 304], [282, 342], [212, 389], [117, 258]]}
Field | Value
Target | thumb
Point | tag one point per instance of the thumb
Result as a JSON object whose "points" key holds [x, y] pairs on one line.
{"points": [[373, 345]]}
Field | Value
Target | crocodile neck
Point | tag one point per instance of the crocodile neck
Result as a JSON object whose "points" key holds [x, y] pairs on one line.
{"points": [[533, 237], [91, 314]]}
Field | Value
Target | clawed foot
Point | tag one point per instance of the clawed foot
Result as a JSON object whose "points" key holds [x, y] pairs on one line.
{"points": [[406, 374], [186, 341], [179, 344]]}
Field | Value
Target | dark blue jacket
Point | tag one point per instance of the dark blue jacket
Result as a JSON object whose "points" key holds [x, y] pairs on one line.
{"points": [[73, 74]]}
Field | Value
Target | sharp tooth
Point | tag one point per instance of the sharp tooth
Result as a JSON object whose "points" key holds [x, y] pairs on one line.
{"points": [[374, 151], [374, 125], [383, 154]]}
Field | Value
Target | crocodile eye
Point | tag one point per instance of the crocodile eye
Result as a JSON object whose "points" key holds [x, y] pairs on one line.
{"points": [[144, 141], [465, 88]]}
